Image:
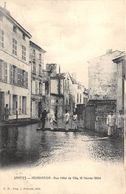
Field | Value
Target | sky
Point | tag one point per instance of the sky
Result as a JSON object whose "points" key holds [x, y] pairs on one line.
{"points": [[72, 31]]}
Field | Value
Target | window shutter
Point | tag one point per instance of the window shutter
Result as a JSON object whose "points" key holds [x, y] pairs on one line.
{"points": [[11, 74], [0, 70], [5, 72], [18, 77], [22, 78], [26, 79]]}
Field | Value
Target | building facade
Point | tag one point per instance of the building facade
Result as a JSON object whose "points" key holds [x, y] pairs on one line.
{"points": [[106, 75], [37, 80], [15, 71], [106, 88], [57, 94]]}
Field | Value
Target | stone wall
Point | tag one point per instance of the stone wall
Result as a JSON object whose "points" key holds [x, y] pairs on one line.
{"points": [[102, 78]]}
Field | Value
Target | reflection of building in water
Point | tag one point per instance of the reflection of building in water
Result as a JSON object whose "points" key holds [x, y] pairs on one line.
{"points": [[28, 144], [8, 145]]}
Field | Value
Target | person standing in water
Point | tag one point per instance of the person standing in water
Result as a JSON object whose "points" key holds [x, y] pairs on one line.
{"points": [[67, 120], [120, 124], [111, 123], [74, 120], [51, 119], [43, 119]]}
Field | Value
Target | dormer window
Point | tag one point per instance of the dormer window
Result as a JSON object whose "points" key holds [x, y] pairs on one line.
{"points": [[14, 29]]}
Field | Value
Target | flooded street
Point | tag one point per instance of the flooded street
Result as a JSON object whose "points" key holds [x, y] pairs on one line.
{"points": [[25, 146], [60, 162]]}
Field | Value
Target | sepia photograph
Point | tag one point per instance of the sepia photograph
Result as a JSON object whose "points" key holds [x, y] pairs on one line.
{"points": [[62, 96]]}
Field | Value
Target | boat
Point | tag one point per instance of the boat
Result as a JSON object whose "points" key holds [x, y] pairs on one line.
{"points": [[59, 130]]}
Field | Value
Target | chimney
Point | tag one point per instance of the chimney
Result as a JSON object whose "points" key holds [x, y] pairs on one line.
{"points": [[59, 69], [5, 5]]}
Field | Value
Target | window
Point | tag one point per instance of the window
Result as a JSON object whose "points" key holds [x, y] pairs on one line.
{"points": [[14, 46], [19, 104], [13, 74], [23, 36], [24, 53], [36, 87], [40, 69], [80, 98], [34, 54], [18, 76], [40, 88], [1, 17], [25, 79], [3, 71], [34, 68], [40, 57], [14, 29], [14, 104], [1, 38], [77, 98], [23, 104]]}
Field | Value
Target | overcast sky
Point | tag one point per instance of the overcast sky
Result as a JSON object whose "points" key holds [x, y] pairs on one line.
{"points": [[72, 31]]}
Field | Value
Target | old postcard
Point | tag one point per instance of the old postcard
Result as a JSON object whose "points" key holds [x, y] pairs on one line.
{"points": [[62, 96]]}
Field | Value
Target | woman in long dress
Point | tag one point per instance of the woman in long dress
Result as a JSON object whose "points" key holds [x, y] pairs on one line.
{"points": [[51, 119]]}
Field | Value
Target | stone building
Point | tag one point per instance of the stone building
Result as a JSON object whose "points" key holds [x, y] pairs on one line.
{"points": [[79, 91], [120, 62], [56, 91], [106, 76], [37, 80], [15, 71], [106, 88]]}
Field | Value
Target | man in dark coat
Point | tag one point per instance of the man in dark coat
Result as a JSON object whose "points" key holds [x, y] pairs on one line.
{"points": [[43, 119]]}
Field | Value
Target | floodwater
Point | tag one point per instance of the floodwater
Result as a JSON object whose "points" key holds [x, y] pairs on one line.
{"points": [[25, 146]]}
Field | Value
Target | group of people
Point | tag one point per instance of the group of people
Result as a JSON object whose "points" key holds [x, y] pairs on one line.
{"points": [[52, 121], [115, 123]]}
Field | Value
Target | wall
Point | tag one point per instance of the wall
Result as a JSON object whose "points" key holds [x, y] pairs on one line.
{"points": [[90, 117], [102, 109], [120, 84], [102, 78]]}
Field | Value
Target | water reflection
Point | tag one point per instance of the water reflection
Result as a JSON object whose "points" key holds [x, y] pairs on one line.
{"points": [[26, 146]]}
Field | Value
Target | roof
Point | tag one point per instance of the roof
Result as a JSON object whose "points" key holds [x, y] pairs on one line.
{"points": [[58, 76], [74, 81], [6, 13], [117, 54], [37, 46], [113, 54]]}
